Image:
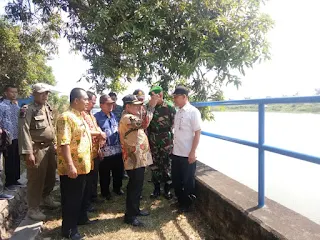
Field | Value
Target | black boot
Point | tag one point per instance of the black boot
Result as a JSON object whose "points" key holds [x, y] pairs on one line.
{"points": [[167, 193], [156, 191]]}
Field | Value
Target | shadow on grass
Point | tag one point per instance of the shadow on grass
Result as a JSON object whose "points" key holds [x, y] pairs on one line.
{"points": [[111, 213]]}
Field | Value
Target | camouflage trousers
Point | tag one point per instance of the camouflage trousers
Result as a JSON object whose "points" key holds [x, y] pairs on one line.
{"points": [[161, 167]]}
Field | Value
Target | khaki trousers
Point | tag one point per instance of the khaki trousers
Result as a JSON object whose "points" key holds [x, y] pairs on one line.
{"points": [[41, 177]]}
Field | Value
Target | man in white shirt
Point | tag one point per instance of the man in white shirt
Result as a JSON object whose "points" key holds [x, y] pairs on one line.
{"points": [[187, 129]]}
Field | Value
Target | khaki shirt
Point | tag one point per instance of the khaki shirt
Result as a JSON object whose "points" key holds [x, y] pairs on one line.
{"points": [[134, 141], [35, 126]]}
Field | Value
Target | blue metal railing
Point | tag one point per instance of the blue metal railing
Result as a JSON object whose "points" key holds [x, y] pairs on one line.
{"points": [[262, 147]]}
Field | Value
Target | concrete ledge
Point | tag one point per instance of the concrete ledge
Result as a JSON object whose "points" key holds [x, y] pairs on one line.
{"points": [[28, 229], [11, 210], [231, 210]]}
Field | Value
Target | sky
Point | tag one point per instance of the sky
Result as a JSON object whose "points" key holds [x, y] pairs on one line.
{"points": [[295, 48]]}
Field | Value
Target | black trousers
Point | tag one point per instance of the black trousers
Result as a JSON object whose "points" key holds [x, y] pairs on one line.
{"points": [[112, 164], [183, 179], [74, 194], [95, 175], [12, 163], [134, 189], [89, 187]]}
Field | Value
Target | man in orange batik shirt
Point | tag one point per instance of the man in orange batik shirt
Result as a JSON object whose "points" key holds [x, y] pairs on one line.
{"points": [[136, 152], [97, 137]]}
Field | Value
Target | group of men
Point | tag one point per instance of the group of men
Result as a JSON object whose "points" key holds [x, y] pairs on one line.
{"points": [[84, 147]]}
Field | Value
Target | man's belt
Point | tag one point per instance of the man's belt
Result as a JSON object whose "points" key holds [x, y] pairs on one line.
{"points": [[43, 144]]}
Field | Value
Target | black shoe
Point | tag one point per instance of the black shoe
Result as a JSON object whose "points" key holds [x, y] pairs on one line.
{"points": [[120, 192], [77, 236], [143, 213], [18, 184], [155, 194], [134, 222], [192, 197], [88, 222], [167, 193], [156, 191], [73, 236]]}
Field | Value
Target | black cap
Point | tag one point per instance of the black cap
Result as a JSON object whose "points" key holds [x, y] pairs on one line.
{"points": [[131, 99], [112, 94], [181, 90], [138, 92]]}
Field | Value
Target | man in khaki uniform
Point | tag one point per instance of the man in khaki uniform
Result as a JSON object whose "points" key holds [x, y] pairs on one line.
{"points": [[37, 146]]}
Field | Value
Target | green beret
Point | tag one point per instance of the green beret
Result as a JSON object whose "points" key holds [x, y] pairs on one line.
{"points": [[156, 90]]}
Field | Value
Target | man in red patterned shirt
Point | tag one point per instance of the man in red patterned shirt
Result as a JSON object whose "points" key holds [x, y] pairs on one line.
{"points": [[97, 135]]}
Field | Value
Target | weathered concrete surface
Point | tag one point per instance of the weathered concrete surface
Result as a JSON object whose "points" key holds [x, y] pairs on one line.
{"points": [[28, 229], [230, 208], [11, 210]]}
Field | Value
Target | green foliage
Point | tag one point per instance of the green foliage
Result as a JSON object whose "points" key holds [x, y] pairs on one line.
{"points": [[164, 41], [22, 58], [58, 104]]}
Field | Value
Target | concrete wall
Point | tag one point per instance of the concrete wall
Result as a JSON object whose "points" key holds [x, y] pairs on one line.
{"points": [[12, 211], [230, 209]]}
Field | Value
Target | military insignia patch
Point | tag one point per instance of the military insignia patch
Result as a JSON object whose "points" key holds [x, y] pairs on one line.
{"points": [[23, 111]]}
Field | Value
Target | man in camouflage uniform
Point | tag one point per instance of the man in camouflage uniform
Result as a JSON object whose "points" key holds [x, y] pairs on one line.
{"points": [[161, 143]]}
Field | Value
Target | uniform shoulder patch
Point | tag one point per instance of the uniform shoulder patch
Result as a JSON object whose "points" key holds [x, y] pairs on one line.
{"points": [[23, 111], [135, 122]]}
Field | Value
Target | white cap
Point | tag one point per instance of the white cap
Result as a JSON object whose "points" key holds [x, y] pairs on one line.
{"points": [[40, 88]]}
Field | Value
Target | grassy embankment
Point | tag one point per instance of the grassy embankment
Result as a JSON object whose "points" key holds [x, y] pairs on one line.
{"points": [[284, 108]]}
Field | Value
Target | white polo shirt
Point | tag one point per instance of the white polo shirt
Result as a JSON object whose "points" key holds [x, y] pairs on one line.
{"points": [[186, 122]]}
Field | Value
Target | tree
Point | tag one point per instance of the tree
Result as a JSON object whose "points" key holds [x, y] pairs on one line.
{"points": [[317, 91], [22, 58], [58, 104], [164, 42]]}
